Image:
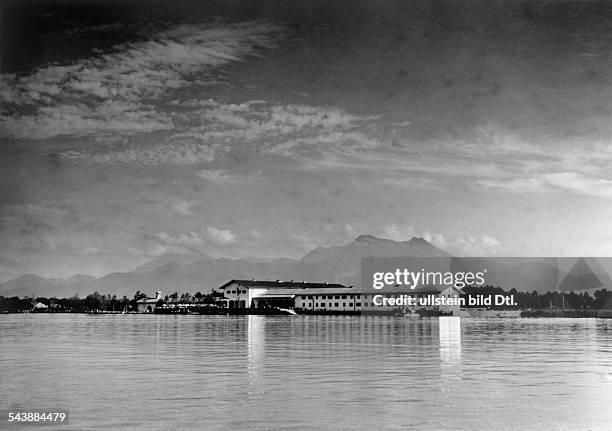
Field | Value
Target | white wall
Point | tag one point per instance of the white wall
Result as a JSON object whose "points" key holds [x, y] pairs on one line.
{"points": [[235, 292]]}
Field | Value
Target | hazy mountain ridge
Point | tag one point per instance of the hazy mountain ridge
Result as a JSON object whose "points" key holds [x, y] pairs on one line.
{"points": [[342, 264], [193, 273], [183, 259]]}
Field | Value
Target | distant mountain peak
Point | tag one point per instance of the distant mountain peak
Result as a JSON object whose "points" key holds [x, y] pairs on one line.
{"points": [[199, 272], [80, 278], [170, 258], [367, 238], [418, 240], [580, 277], [371, 239]]}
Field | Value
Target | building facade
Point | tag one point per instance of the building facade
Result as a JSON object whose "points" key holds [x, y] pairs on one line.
{"points": [[324, 297], [266, 293], [148, 305]]}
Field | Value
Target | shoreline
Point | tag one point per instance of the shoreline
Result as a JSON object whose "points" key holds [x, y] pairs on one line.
{"points": [[533, 314]]}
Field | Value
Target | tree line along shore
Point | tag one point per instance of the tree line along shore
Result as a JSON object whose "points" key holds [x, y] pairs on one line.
{"points": [[532, 304]]}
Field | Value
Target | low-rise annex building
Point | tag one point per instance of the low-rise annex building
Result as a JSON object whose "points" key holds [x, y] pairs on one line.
{"points": [[148, 305]]}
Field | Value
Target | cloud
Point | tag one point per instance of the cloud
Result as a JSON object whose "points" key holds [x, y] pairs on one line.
{"points": [[405, 123], [185, 207], [81, 119], [515, 185], [304, 242], [199, 241], [207, 130], [221, 236], [137, 90], [223, 177], [147, 155], [255, 235], [343, 144], [353, 230], [547, 182], [484, 245], [269, 125], [575, 182], [190, 239], [413, 182], [196, 238], [398, 233], [122, 91]]}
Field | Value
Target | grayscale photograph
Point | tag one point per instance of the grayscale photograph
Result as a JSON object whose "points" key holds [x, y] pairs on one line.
{"points": [[306, 214]]}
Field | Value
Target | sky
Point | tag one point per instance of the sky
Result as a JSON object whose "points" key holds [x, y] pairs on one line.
{"points": [[131, 129]]}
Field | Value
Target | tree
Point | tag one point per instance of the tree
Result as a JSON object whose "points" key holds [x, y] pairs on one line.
{"points": [[139, 295], [93, 301]]}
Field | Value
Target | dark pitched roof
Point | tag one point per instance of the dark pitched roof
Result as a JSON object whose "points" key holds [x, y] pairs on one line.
{"points": [[284, 284], [305, 288], [423, 289], [147, 300], [308, 291], [401, 290]]}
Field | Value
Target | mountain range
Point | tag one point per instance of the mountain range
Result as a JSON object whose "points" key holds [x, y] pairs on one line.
{"points": [[341, 264], [201, 273]]}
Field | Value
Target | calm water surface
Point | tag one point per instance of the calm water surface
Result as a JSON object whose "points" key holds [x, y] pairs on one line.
{"points": [[308, 372]]}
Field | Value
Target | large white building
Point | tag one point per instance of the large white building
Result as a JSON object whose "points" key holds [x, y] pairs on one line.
{"points": [[308, 296], [265, 293]]}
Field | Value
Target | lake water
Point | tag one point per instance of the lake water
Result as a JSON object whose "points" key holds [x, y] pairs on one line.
{"points": [[308, 372]]}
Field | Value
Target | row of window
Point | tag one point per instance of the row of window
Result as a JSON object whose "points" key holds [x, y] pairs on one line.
{"points": [[336, 304], [391, 295], [240, 291], [333, 304], [234, 291]]}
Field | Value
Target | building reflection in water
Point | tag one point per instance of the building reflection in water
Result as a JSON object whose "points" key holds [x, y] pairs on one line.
{"points": [[256, 337], [450, 347]]}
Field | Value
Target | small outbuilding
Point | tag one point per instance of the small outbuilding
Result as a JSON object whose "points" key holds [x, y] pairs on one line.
{"points": [[40, 307], [148, 305]]}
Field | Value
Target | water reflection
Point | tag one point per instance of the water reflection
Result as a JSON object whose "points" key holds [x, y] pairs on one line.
{"points": [[309, 372], [256, 337], [450, 347]]}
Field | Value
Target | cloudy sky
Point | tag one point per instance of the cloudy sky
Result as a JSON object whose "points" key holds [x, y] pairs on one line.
{"points": [[134, 128]]}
